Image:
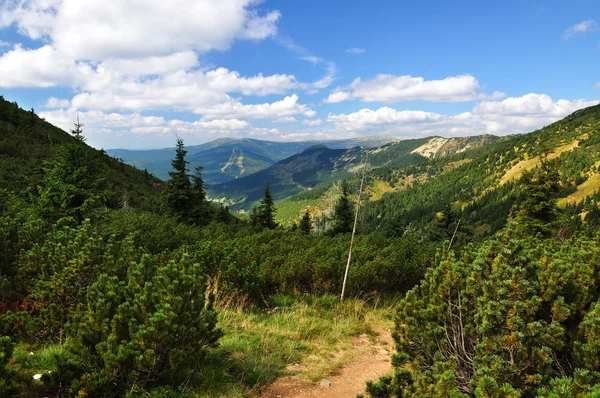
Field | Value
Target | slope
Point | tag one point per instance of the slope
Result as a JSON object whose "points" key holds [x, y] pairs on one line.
{"points": [[481, 185], [26, 142]]}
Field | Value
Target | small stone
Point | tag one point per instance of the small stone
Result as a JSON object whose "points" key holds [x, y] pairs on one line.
{"points": [[325, 383]]}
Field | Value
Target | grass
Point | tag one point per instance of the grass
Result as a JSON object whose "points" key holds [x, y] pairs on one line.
{"points": [[588, 187], [309, 337]]}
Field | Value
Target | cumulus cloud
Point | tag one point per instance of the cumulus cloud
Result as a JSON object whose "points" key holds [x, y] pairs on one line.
{"points": [[356, 50], [117, 128], [55, 103], [312, 123], [512, 115], [96, 30], [287, 107], [393, 89], [366, 118], [42, 67], [579, 29]]}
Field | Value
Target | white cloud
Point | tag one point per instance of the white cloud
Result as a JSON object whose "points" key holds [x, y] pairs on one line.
{"points": [[116, 129], [42, 67], [288, 106], [510, 116], [356, 51], [286, 119], [312, 123], [580, 29], [305, 55], [55, 103], [366, 118], [96, 30], [393, 89], [151, 65]]}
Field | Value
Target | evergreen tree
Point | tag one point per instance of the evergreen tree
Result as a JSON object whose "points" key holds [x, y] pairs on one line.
{"points": [[343, 213], [72, 185], [198, 185], [179, 193], [201, 213], [539, 209], [305, 223], [266, 210]]}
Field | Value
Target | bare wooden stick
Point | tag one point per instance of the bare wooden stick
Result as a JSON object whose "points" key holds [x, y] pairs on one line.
{"points": [[454, 234], [354, 228]]}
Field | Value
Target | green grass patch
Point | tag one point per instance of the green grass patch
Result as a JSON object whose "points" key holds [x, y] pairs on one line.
{"points": [[307, 336]]}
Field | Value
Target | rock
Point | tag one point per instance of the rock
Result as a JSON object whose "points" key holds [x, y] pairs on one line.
{"points": [[325, 383]]}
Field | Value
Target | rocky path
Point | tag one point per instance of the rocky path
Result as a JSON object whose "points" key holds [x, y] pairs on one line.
{"points": [[348, 381]]}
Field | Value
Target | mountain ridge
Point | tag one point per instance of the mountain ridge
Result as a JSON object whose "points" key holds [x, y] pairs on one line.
{"points": [[228, 158]]}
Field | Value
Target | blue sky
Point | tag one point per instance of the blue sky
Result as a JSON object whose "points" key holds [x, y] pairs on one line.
{"points": [[295, 70]]}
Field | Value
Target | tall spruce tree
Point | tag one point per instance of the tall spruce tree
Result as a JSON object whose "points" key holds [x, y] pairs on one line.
{"points": [[73, 185], [343, 212], [539, 186], [266, 210], [201, 213], [179, 193], [305, 223]]}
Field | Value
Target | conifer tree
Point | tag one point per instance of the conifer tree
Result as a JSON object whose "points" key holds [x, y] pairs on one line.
{"points": [[266, 210], [72, 186], [539, 209], [343, 213], [305, 223], [201, 213], [179, 193]]}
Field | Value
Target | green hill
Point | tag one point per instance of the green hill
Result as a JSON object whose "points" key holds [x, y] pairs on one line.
{"points": [[27, 141]]}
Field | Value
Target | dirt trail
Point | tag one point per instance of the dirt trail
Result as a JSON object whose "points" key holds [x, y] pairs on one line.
{"points": [[345, 382]]}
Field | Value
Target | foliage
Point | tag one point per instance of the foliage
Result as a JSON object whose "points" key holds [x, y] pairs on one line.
{"points": [[343, 213], [264, 216], [305, 223], [72, 186], [513, 315], [539, 187], [153, 327]]}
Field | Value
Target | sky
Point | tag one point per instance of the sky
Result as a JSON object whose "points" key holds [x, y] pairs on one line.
{"points": [[140, 73]]}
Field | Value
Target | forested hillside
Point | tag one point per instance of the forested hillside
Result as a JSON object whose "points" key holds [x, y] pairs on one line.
{"points": [[29, 145]]}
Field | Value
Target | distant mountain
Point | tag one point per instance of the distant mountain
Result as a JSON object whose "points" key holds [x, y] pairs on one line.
{"points": [[226, 159], [320, 164]]}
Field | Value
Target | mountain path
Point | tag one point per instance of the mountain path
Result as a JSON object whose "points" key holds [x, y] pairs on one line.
{"points": [[373, 362]]}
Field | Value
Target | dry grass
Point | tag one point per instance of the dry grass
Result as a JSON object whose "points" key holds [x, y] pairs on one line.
{"points": [[589, 187], [527, 164]]}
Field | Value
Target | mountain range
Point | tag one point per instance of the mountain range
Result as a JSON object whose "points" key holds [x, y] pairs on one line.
{"points": [[226, 159], [320, 164]]}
